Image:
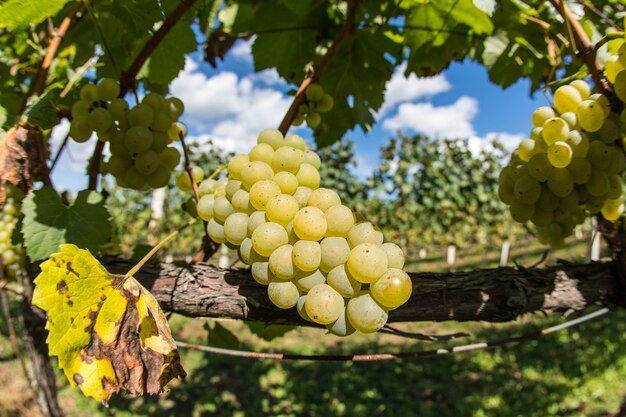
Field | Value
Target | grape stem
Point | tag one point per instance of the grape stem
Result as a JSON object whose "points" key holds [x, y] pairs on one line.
{"points": [[158, 246], [607, 38], [189, 167], [127, 79], [105, 44], [315, 73]]}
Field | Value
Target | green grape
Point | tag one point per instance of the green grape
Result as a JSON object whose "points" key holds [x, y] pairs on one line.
{"points": [[215, 231], [262, 152], [555, 129], [598, 154], [313, 120], [539, 167], [118, 109], [312, 158], [307, 280], [541, 218], [339, 278], [283, 294], [295, 141], [281, 262], [205, 207], [342, 326], [293, 238], [232, 186], [334, 252], [526, 149], [119, 164], [615, 187], [393, 289], [206, 187], [261, 272], [603, 101], [314, 92], [159, 141], [364, 232], [169, 157], [287, 182], [155, 101], [248, 255], [598, 184], [537, 134], [583, 88], [261, 192], [138, 139], [506, 192], [517, 171], [241, 202], [610, 130], [281, 208], [612, 67], [571, 119], [161, 122], [367, 262], [307, 255], [255, 220], [116, 144], [190, 207], [300, 308], [395, 255], [612, 209], [325, 104], [527, 189], [560, 154], [108, 89], [302, 195], [236, 165], [579, 144], [580, 169], [567, 99], [175, 107], [365, 314], [547, 200], [556, 234], [541, 115], [272, 137], [308, 176], [222, 209], [340, 219], [287, 158], [80, 129], [298, 119], [324, 198], [569, 203], [80, 108], [309, 223], [140, 115], [323, 304], [621, 55], [134, 179], [177, 130], [619, 86], [521, 212], [89, 93], [590, 115], [267, 237], [236, 228], [183, 182], [254, 172], [147, 162], [159, 178], [560, 182]]}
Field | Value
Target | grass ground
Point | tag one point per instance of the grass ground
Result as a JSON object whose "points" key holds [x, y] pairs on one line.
{"points": [[577, 372]]}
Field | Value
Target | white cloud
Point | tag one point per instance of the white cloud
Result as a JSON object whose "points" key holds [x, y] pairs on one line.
{"points": [[509, 140], [401, 89], [229, 109], [242, 50], [439, 122]]}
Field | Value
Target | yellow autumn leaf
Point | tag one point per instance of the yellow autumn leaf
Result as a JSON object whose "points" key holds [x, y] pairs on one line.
{"points": [[107, 330]]}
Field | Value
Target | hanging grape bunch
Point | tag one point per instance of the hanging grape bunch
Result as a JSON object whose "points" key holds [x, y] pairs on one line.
{"points": [[11, 254], [316, 102], [572, 166], [139, 137], [312, 252]]}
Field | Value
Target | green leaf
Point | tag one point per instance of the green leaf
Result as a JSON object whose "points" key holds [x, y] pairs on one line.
{"points": [[18, 14], [42, 112], [168, 58], [269, 331], [3, 115], [221, 337], [49, 223]]}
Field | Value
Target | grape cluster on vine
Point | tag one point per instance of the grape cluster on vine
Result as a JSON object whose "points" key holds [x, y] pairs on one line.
{"points": [[572, 167], [139, 137], [312, 252], [317, 101], [11, 254]]}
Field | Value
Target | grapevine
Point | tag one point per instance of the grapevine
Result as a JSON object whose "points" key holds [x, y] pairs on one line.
{"points": [[316, 102], [11, 253]]}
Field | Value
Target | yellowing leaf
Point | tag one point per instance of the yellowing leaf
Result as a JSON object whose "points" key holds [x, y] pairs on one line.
{"points": [[107, 330]]}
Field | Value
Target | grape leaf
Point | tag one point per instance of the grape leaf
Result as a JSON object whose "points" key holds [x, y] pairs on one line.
{"points": [[168, 59], [269, 332], [49, 223], [221, 337], [42, 112], [18, 14], [107, 331]]}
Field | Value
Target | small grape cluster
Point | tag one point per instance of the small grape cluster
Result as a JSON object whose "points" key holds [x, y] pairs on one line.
{"points": [[570, 168], [139, 137], [312, 252], [316, 102], [12, 255]]}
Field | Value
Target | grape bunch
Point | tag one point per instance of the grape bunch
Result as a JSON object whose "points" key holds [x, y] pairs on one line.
{"points": [[312, 252], [12, 254], [573, 164], [316, 102], [139, 137]]}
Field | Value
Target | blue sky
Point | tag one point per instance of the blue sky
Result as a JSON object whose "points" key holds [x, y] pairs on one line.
{"points": [[231, 104]]}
